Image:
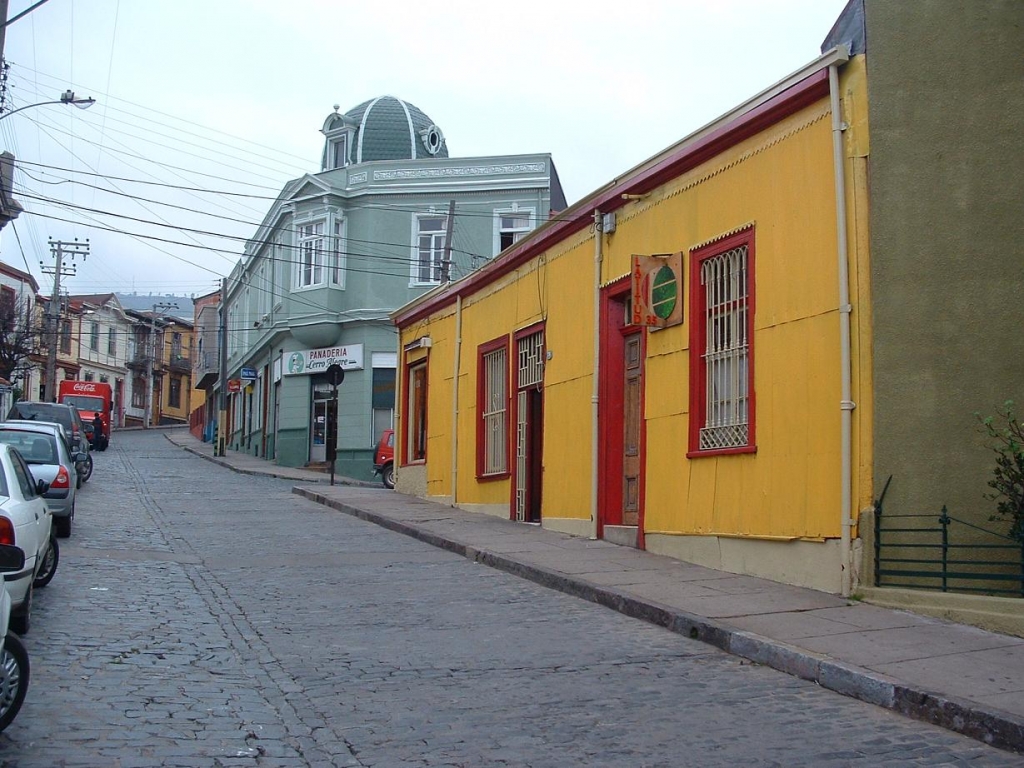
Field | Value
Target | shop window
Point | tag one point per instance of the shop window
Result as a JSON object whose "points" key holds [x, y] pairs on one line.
{"points": [[721, 348], [383, 402], [492, 409]]}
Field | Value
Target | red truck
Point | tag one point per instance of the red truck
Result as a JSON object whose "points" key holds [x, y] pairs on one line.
{"points": [[91, 398]]}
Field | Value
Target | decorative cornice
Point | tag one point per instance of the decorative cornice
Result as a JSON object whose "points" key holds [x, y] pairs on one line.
{"points": [[447, 173]]}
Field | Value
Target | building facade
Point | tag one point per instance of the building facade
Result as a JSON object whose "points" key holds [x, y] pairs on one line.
{"points": [[389, 216], [103, 346], [770, 332]]}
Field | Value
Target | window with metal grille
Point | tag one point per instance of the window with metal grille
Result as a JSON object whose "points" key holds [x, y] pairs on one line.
{"points": [[430, 249], [721, 385], [492, 405]]}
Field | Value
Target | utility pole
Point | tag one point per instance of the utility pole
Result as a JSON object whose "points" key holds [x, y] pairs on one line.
{"points": [[446, 263], [60, 250], [147, 421], [222, 401]]}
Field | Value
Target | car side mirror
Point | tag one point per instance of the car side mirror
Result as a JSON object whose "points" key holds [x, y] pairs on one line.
{"points": [[42, 487], [12, 558]]}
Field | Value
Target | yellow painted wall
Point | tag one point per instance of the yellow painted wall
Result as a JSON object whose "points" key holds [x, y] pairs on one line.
{"points": [[781, 182]]}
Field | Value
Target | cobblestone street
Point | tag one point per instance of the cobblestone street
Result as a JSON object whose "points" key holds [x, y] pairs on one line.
{"points": [[205, 618]]}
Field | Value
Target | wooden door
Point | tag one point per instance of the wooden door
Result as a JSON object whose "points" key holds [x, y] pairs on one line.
{"points": [[632, 387]]}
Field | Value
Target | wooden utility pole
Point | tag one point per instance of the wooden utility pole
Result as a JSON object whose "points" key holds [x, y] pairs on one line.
{"points": [[446, 263], [59, 250]]}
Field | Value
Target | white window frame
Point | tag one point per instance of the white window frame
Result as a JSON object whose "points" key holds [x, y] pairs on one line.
{"points": [[518, 232], [337, 262], [436, 251], [312, 241]]}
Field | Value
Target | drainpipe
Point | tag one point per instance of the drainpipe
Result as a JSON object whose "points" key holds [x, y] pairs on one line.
{"points": [[596, 391], [455, 399], [846, 404]]}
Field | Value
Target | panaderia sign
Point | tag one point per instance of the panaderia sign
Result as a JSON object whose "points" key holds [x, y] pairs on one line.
{"points": [[307, 361]]}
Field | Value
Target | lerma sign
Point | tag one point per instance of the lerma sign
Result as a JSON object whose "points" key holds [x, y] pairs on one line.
{"points": [[306, 361]]}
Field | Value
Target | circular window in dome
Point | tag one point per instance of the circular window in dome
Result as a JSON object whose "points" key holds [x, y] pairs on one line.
{"points": [[433, 139]]}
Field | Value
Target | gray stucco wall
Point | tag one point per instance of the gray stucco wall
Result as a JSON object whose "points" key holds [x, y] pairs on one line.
{"points": [[946, 91]]}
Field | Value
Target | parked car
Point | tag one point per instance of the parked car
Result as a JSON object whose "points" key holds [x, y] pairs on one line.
{"points": [[14, 666], [25, 522], [50, 458], [384, 458], [65, 415]]}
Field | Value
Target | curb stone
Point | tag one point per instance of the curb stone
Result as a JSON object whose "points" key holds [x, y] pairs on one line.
{"points": [[991, 726]]}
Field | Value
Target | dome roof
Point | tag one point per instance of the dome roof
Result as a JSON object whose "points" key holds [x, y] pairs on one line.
{"points": [[387, 128]]}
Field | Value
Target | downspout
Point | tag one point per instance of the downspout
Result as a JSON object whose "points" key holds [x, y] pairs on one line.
{"points": [[455, 400], [595, 397], [846, 404]]}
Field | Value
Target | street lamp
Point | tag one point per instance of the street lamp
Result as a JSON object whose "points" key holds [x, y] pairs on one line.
{"points": [[68, 97]]}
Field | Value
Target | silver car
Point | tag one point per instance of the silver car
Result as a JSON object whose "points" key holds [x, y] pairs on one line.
{"points": [[44, 448]]}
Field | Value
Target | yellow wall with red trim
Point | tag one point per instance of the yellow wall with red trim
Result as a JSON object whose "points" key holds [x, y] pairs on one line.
{"points": [[780, 182]]}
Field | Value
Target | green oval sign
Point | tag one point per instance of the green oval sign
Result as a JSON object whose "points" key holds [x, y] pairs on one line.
{"points": [[664, 293]]}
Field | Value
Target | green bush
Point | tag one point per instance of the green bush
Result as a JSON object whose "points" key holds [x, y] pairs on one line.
{"points": [[1006, 439]]}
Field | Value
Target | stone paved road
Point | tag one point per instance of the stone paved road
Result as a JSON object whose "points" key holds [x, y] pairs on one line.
{"points": [[204, 618]]}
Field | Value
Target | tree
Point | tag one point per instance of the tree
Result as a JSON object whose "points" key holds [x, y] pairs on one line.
{"points": [[1006, 435], [19, 334]]}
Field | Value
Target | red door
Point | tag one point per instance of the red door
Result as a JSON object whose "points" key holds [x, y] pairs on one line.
{"points": [[621, 424]]}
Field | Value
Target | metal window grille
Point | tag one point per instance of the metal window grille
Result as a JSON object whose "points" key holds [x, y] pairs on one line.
{"points": [[495, 411], [530, 373], [726, 353]]}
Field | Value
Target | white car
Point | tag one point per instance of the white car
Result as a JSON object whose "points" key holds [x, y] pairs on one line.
{"points": [[43, 447], [14, 666], [25, 522]]}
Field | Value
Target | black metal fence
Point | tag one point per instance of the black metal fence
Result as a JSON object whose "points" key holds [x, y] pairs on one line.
{"points": [[945, 553]]}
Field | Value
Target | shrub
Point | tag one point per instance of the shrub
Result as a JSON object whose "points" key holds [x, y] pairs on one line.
{"points": [[1006, 440]]}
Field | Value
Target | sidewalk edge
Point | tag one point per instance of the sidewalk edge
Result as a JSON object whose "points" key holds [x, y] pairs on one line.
{"points": [[989, 725]]}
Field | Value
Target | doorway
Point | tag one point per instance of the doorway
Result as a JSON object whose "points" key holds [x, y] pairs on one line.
{"points": [[529, 421], [621, 426], [318, 423]]}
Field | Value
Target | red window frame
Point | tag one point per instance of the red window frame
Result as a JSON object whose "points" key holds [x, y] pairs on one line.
{"points": [[481, 401], [698, 344]]}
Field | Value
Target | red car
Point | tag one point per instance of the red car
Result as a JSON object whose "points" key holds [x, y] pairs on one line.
{"points": [[384, 458]]}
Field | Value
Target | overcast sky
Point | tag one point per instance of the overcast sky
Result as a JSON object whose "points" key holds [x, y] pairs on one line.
{"points": [[229, 96]]}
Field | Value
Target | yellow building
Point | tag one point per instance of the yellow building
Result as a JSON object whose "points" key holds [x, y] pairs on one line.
{"points": [[708, 424], [172, 373], [750, 353]]}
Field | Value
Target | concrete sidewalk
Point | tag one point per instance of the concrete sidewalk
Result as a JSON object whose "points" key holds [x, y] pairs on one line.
{"points": [[956, 676]]}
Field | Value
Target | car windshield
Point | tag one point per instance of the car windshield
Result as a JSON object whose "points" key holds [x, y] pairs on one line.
{"points": [[34, 447]]}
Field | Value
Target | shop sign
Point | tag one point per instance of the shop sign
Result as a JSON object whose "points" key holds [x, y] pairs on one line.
{"points": [[234, 385], [249, 373], [307, 361], [657, 290]]}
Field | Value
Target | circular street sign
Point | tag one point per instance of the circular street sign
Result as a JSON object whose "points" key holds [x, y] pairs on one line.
{"points": [[335, 374]]}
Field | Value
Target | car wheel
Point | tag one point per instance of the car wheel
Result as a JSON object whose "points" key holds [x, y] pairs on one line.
{"points": [[86, 472], [45, 575], [14, 670], [62, 525], [388, 476]]}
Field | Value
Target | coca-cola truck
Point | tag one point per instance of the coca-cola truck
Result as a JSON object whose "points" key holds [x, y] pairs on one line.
{"points": [[91, 398]]}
